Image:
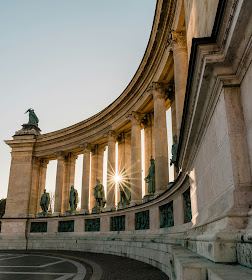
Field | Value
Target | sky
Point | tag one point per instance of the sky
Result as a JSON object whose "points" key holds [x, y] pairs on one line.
{"points": [[66, 59]]}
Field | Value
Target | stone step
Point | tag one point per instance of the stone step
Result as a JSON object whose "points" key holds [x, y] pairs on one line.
{"points": [[229, 272]]}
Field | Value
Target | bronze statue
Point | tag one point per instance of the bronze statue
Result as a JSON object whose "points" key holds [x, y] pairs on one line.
{"points": [[174, 154], [150, 179], [45, 201], [99, 194], [73, 198], [33, 119], [125, 190]]}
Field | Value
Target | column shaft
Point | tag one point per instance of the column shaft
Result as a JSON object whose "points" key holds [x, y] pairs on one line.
{"points": [[41, 182], [136, 168], [161, 146], [149, 144], [85, 179], [110, 205], [180, 73], [174, 126], [59, 183], [96, 170]]}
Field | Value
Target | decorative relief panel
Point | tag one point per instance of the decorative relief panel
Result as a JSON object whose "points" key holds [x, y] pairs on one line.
{"points": [[187, 206], [38, 227], [142, 220], [117, 223], [92, 224], [66, 226], [166, 215]]}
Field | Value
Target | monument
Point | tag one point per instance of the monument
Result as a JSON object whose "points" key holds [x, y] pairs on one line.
{"points": [[125, 191], [73, 201], [99, 195], [44, 204], [150, 180]]}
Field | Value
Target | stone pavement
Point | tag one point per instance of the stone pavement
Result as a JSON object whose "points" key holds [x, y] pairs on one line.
{"points": [[69, 265]]}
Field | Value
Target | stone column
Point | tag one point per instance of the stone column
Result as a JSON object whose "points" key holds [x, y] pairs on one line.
{"points": [[180, 73], [59, 183], [85, 179], [136, 167], [149, 143], [96, 170], [68, 180], [124, 156], [32, 211], [174, 127], [41, 182], [110, 205], [160, 130]]}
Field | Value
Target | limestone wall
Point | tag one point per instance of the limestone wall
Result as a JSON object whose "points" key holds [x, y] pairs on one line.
{"points": [[199, 19], [211, 175], [246, 97]]}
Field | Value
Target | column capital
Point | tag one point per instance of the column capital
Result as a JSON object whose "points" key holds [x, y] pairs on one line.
{"points": [[135, 118], [148, 120], [71, 157], [98, 149], [111, 135], [60, 155], [178, 42], [157, 90], [86, 147], [123, 137], [44, 162]]}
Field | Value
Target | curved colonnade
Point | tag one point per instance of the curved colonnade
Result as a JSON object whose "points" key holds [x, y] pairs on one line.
{"points": [[207, 97]]}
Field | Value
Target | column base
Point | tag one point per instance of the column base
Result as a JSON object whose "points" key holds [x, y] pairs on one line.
{"points": [[56, 214], [157, 193], [84, 211], [135, 202], [109, 208]]}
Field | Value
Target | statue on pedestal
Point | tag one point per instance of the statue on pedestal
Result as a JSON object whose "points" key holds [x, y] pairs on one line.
{"points": [[150, 179], [174, 154], [33, 119], [99, 195], [73, 199], [44, 203], [125, 190]]}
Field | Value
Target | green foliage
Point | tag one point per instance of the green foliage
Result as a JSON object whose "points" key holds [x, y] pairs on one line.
{"points": [[2, 206]]}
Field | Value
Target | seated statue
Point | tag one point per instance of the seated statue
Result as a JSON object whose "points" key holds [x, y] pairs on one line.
{"points": [[99, 194], [73, 199], [150, 179], [125, 190], [45, 201]]}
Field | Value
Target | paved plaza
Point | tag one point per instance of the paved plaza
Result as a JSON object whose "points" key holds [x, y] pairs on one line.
{"points": [[41, 265]]}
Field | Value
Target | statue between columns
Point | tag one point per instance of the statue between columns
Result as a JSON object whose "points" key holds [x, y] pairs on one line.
{"points": [[73, 199], [44, 203], [150, 179], [99, 195], [125, 190], [174, 154]]}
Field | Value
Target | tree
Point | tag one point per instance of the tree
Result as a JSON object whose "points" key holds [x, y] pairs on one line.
{"points": [[2, 206]]}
